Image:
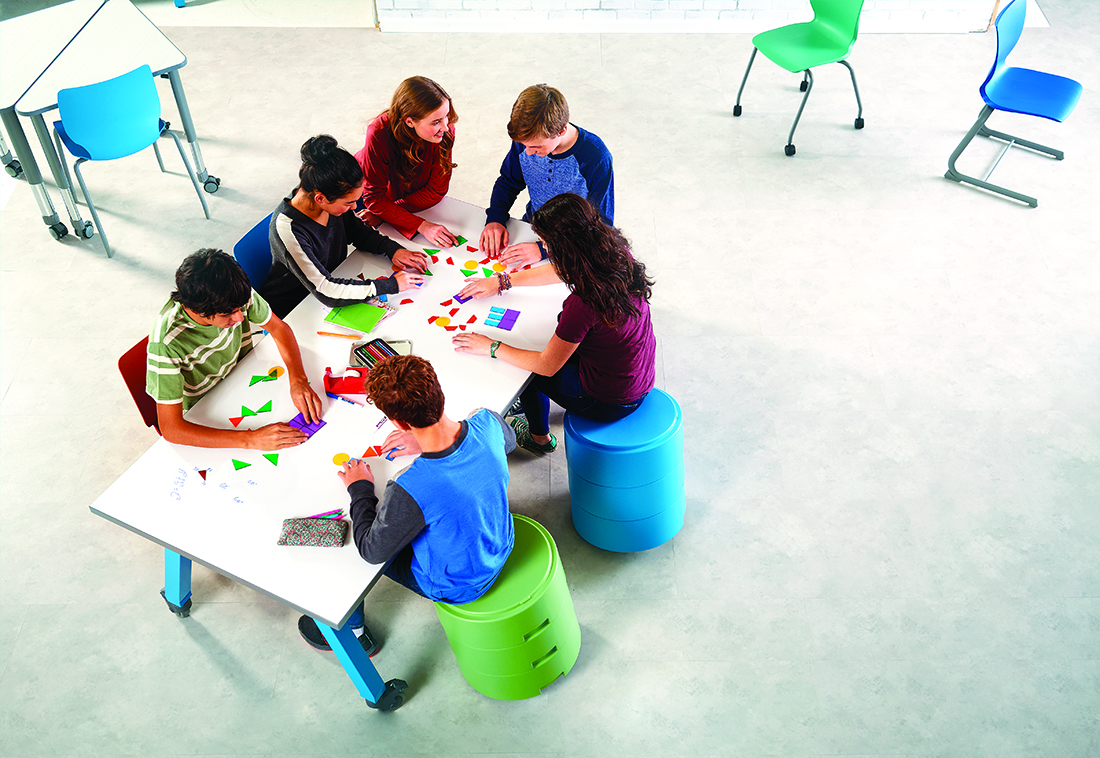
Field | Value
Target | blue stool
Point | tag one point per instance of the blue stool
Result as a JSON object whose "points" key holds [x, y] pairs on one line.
{"points": [[626, 478]]}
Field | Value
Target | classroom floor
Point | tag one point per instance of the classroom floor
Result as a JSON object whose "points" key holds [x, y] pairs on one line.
{"points": [[890, 385]]}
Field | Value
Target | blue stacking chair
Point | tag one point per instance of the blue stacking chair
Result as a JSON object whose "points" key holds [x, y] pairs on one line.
{"points": [[253, 252], [1016, 90], [113, 119], [829, 38]]}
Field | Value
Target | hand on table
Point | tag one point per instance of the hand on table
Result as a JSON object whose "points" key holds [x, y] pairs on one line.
{"points": [[413, 259], [400, 443], [521, 254], [369, 218], [471, 342], [275, 437], [479, 287], [494, 238], [406, 281], [305, 399], [437, 234], [355, 470]]}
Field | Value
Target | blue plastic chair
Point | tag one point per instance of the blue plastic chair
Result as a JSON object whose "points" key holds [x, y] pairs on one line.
{"points": [[253, 252], [1016, 90], [829, 38], [113, 119]]}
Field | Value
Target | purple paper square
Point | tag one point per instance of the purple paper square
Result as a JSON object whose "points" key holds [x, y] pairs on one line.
{"points": [[299, 422], [462, 300]]}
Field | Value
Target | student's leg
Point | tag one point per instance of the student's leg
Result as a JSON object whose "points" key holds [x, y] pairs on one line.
{"points": [[565, 389], [400, 570]]}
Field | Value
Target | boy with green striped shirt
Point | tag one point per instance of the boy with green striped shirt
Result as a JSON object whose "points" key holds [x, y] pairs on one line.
{"points": [[200, 335]]}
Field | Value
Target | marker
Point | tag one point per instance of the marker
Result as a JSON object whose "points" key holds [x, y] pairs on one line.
{"points": [[390, 454], [345, 336], [338, 397]]}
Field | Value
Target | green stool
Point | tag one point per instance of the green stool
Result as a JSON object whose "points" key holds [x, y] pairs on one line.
{"points": [[522, 634]]}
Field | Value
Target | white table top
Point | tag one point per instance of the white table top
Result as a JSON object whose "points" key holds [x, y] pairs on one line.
{"points": [[29, 44], [230, 521], [117, 39]]}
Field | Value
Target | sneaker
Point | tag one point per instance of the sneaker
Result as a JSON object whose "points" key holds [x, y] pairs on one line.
{"points": [[307, 627], [516, 408], [527, 442]]}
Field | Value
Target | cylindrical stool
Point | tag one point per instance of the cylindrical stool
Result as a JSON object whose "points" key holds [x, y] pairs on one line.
{"points": [[522, 634], [626, 478]]}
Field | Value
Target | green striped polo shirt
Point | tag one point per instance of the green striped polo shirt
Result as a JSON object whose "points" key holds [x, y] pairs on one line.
{"points": [[186, 360]]}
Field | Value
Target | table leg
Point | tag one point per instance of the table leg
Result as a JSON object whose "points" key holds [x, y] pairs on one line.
{"points": [[209, 183], [30, 170], [11, 165], [177, 583], [383, 696], [61, 177]]}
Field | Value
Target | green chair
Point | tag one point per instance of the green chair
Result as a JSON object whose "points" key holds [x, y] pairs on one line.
{"points": [[522, 634], [799, 47]]}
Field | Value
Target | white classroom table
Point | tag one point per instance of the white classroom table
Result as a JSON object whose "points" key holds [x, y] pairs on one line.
{"points": [[115, 40], [28, 45], [230, 520]]}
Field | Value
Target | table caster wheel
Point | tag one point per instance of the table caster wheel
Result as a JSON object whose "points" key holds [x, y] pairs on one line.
{"points": [[737, 110], [85, 231], [803, 85], [14, 169], [183, 611], [859, 123], [789, 150], [58, 230], [211, 184], [392, 698]]}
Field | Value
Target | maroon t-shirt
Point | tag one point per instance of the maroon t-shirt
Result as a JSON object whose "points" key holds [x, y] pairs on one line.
{"points": [[616, 363]]}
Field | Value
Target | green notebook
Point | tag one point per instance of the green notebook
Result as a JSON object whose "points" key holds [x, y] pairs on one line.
{"points": [[361, 316]]}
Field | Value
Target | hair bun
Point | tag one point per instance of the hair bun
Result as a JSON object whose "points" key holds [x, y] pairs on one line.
{"points": [[317, 149]]}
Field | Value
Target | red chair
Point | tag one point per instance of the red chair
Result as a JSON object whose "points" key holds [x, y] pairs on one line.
{"points": [[132, 367]]}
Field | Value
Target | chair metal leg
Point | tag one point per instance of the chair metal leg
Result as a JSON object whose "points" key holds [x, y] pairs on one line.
{"points": [[190, 171], [955, 175], [160, 161], [745, 78], [859, 103], [809, 78], [91, 207], [985, 131]]}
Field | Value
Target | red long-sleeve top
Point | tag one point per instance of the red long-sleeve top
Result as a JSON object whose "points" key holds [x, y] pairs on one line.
{"points": [[383, 196]]}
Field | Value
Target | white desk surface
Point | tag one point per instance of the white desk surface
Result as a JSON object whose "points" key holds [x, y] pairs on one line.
{"points": [[117, 39], [29, 43], [231, 521]]}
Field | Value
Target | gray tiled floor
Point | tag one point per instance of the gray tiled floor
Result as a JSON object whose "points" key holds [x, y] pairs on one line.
{"points": [[890, 383]]}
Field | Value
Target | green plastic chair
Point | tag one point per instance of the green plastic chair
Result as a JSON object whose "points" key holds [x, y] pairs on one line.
{"points": [[522, 634], [829, 38]]}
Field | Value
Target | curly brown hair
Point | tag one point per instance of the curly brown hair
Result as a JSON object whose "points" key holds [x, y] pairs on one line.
{"points": [[406, 389], [593, 259], [415, 98]]}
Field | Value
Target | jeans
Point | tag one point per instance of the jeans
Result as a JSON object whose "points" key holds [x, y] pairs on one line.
{"points": [[400, 570], [565, 389]]}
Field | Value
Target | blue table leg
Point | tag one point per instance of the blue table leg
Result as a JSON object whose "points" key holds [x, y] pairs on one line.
{"points": [[181, 3], [177, 583], [383, 696]]}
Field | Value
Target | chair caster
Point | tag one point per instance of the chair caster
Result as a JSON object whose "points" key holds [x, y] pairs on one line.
{"points": [[211, 184], [58, 230], [859, 123], [86, 231], [737, 110], [803, 85], [392, 698], [789, 149], [14, 169]]}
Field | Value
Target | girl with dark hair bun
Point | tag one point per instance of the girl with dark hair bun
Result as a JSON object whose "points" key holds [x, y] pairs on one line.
{"points": [[600, 361], [407, 160], [311, 229]]}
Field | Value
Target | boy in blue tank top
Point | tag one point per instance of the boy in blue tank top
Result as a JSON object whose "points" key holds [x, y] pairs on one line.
{"points": [[444, 520]]}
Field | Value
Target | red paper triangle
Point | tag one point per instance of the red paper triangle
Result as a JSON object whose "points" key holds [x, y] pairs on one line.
{"points": [[203, 474], [462, 327], [236, 420]]}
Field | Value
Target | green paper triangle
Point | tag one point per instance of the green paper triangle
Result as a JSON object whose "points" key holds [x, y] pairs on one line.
{"points": [[257, 379], [238, 465], [461, 240], [428, 273], [273, 457], [467, 273], [430, 250], [273, 374], [488, 271], [266, 408], [247, 412]]}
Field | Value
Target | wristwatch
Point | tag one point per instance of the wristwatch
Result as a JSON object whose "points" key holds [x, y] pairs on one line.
{"points": [[493, 348]]}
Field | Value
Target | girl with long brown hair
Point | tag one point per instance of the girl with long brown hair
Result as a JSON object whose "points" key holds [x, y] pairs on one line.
{"points": [[600, 361], [407, 160]]}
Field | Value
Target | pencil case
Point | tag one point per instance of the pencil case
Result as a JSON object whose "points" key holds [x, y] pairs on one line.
{"points": [[314, 532]]}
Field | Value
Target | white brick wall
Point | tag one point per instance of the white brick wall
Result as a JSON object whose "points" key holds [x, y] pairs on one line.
{"points": [[737, 16]]}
